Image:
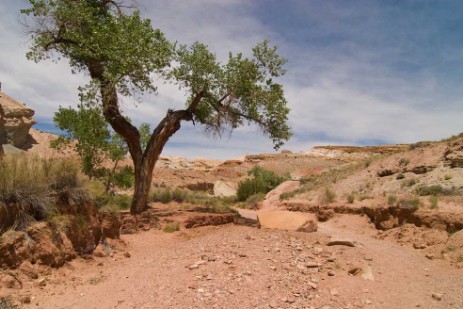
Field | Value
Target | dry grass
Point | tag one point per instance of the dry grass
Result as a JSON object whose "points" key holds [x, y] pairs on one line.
{"points": [[28, 185]]}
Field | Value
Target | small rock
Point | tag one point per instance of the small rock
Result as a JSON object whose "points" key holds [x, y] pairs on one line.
{"points": [[8, 282], [312, 285], [347, 243], [437, 296], [41, 282], [194, 266], [127, 254], [334, 292], [28, 269], [312, 265], [331, 273], [367, 302], [200, 290], [26, 299]]}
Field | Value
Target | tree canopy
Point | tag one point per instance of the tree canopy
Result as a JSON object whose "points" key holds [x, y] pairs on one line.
{"points": [[125, 55]]}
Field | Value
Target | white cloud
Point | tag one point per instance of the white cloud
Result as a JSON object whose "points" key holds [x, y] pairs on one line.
{"points": [[343, 86]]}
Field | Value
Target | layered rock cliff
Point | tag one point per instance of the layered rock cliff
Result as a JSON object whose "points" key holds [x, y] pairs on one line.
{"points": [[15, 121]]}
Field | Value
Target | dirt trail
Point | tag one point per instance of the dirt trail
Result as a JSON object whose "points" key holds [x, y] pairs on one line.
{"points": [[243, 267]]}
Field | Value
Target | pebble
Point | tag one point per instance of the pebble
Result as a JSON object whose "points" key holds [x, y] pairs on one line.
{"points": [[334, 292], [312, 285], [437, 296], [312, 265], [331, 273]]}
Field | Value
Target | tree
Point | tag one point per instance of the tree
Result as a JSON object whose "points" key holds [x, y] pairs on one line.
{"points": [[96, 145], [121, 52]]}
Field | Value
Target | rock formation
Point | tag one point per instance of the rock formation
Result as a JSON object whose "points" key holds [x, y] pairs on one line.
{"points": [[15, 121]]}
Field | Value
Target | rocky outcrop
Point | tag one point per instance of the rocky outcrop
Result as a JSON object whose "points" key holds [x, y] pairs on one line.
{"points": [[15, 121], [453, 155]]}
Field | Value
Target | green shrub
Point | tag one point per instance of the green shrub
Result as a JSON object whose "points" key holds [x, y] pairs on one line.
{"points": [[171, 227], [448, 177], [262, 182], [350, 198], [429, 190], [434, 201], [391, 200], [410, 182]]}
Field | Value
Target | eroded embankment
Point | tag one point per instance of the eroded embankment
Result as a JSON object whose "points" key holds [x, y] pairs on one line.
{"points": [[385, 218]]}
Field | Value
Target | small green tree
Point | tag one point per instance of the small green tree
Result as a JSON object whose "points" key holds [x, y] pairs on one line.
{"points": [[99, 148], [122, 52]]}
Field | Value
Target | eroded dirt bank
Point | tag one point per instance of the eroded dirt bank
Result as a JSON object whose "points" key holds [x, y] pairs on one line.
{"points": [[233, 266]]}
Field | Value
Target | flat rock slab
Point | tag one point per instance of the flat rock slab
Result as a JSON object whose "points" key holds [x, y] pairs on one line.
{"points": [[338, 242], [287, 220]]}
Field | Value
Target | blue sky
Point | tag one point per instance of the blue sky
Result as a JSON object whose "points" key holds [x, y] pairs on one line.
{"points": [[359, 72]]}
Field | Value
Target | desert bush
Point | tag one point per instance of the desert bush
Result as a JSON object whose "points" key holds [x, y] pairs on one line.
{"points": [[262, 182], [400, 176], [419, 145], [328, 196], [447, 177], [391, 200], [210, 203], [429, 190], [410, 203], [254, 200], [105, 201], [434, 201], [171, 227], [350, 198], [409, 182], [404, 161]]}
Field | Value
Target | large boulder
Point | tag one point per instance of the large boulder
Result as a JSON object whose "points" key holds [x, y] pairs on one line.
{"points": [[15, 121], [287, 220], [224, 189]]}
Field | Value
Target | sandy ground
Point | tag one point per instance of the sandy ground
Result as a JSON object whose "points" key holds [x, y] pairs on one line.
{"points": [[234, 266]]}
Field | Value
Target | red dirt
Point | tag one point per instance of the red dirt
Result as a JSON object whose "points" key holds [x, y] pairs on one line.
{"points": [[244, 267]]}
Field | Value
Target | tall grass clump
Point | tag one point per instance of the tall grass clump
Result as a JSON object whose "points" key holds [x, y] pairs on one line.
{"points": [[28, 182], [263, 181], [328, 196]]}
